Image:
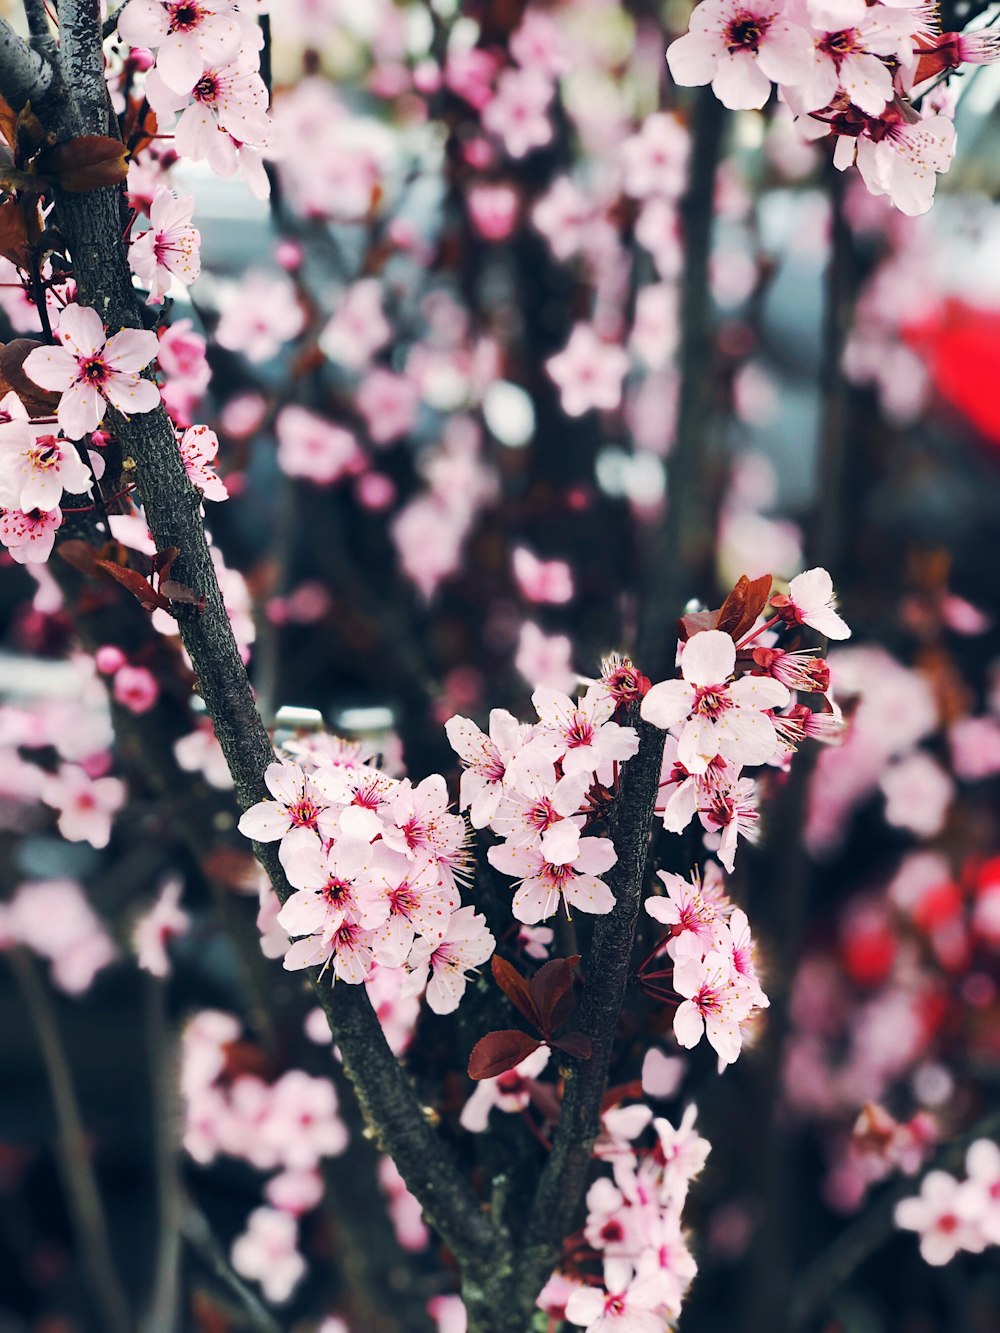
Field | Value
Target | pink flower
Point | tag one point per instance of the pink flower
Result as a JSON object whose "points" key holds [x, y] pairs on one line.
{"points": [[404, 1209], [936, 1214], [199, 447], [170, 248], [91, 370], [310, 447], [86, 805], [518, 114], [728, 803], [260, 316], [980, 1201], [811, 601], [545, 659], [185, 36], [417, 902], [544, 883], [586, 740], [485, 760], [467, 944], [626, 1306], [54, 918], [542, 580], [740, 46], [655, 160], [268, 1251], [899, 159], [166, 921], [298, 803], [686, 912], [225, 109], [848, 58], [508, 1092], [493, 210], [358, 327], [29, 537], [720, 717], [36, 469], [588, 373], [389, 405], [135, 688], [717, 1000]]}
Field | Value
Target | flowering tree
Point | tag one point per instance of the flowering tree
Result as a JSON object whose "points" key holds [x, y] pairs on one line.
{"points": [[491, 261]]}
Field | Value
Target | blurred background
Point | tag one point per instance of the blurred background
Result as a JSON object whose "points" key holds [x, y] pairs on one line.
{"points": [[527, 351]]}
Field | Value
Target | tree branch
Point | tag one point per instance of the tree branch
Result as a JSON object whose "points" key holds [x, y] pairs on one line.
{"points": [[26, 76], [199, 1235], [41, 39], [608, 968]]}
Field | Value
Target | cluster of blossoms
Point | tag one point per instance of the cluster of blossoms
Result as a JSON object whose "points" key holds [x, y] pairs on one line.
{"points": [[537, 786], [713, 969], [853, 70], [633, 1229], [724, 712], [952, 1215], [376, 864]]}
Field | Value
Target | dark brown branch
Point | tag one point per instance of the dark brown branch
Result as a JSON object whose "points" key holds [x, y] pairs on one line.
{"points": [[608, 968], [26, 76]]}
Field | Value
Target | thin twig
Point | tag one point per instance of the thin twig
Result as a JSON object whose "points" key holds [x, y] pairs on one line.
{"points": [[161, 1316], [76, 1172]]}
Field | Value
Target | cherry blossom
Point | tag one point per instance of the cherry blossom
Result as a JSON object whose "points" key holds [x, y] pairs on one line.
{"points": [[91, 370], [655, 160], [167, 920], [508, 1092], [811, 601], [485, 760], [199, 447], [466, 945], [542, 580], [517, 114], [35, 468], [298, 803], [937, 1215], [170, 248], [358, 327], [588, 373], [310, 447], [901, 159], [719, 717], [585, 739], [739, 46], [185, 37], [544, 883], [268, 1250], [717, 999]]}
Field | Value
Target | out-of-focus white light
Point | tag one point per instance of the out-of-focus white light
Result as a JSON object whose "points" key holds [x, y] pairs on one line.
{"points": [[509, 414]]}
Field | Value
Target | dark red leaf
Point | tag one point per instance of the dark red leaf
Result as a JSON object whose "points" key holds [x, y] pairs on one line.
{"points": [[81, 555], [516, 989], [163, 560], [576, 1044], [180, 592], [744, 604], [694, 622], [141, 590], [499, 1051], [552, 991], [87, 162]]}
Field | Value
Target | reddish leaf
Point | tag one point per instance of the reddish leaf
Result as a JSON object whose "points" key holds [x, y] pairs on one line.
{"points": [[8, 122], [744, 604], [88, 162], [233, 868], [180, 592], [516, 989], [694, 622], [163, 560], [140, 589], [576, 1044], [13, 234], [37, 402], [552, 992], [81, 555], [499, 1051]]}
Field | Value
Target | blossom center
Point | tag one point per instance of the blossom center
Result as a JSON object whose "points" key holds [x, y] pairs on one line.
{"points": [[840, 44], [206, 89], [45, 455], [336, 891], [304, 813], [95, 371], [580, 733], [745, 32], [712, 700], [184, 17]]}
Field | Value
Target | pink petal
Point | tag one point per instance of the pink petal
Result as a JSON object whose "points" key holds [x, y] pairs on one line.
{"points": [[81, 410], [668, 703], [81, 330], [708, 658], [131, 350], [51, 368]]}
